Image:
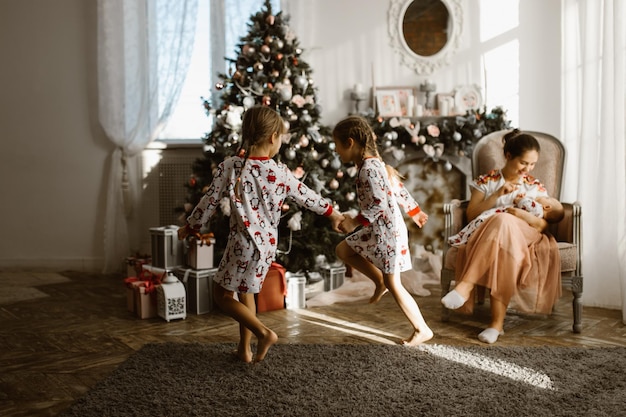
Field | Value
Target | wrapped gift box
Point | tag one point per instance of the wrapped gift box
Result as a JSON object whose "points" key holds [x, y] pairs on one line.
{"points": [[167, 250], [333, 276], [145, 302], [131, 283], [134, 264], [274, 289], [199, 288], [296, 291], [200, 253], [141, 297]]}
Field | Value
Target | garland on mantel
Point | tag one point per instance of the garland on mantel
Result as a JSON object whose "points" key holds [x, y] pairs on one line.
{"points": [[437, 137]]}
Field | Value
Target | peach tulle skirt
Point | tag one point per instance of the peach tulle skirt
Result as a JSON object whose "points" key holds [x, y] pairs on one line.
{"points": [[519, 265]]}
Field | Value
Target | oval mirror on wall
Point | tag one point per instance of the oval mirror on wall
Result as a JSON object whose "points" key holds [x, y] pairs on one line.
{"points": [[425, 32]]}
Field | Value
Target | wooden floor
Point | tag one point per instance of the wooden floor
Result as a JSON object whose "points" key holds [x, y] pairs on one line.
{"points": [[59, 339]]}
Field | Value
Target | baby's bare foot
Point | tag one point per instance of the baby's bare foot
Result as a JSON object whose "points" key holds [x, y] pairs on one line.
{"points": [[418, 338], [264, 344], [378, 294]]}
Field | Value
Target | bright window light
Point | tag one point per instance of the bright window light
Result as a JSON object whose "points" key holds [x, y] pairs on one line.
{"points": [[501, 15], [501, 66]]}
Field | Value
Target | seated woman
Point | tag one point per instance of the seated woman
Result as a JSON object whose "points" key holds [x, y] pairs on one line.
{"points": [[508, 252]]}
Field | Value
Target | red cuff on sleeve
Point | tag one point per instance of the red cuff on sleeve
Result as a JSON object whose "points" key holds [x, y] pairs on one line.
{"points": [[361, 219], [414, 211], [329, 211]]}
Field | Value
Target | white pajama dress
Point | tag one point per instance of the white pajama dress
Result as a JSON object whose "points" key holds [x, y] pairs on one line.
{"points": [[383, 239], [254, 218]]}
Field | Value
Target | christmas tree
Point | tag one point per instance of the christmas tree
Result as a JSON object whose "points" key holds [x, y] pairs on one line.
{"points": [[269, 70]]}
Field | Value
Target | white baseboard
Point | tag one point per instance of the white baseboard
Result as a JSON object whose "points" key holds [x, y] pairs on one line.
{"points": [[53, 265]]}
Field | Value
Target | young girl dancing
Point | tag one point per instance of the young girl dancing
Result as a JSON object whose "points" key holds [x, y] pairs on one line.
{"points": [[256, 186], [379, 249]]}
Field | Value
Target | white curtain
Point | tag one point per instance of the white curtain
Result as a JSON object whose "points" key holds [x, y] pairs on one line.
{"points": [[594, 113], [144, 48]]}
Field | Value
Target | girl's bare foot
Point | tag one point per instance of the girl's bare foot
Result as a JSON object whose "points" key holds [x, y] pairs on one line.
{"points": [[264, 344], [418, 338], [378, 293], [243, 353]]}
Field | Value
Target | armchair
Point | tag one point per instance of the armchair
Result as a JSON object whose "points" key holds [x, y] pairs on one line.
{"points": [[487, 155]]}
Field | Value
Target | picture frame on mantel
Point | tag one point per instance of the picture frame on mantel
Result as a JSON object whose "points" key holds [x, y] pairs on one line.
{"points": [[395, 101]]}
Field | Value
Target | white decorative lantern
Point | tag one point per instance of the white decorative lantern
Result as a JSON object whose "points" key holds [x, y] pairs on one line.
{"points": [[171, 302]]}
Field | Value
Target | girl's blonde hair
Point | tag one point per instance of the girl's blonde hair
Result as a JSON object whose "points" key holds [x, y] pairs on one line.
{"points": [[258, 125], [357, 129]]}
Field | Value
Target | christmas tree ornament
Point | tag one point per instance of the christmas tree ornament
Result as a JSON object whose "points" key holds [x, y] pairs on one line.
{"points": [[265, 49], [457, 136], [270, 19], [324, 163], [304, 141], [258, 66], [306, 118], [279, 44], [447, 166], [339, 174], [335, 163], [301, 82], [267, 100], [315, 155], [248, 102], [334, 184], [290, 153], [219, 86]]}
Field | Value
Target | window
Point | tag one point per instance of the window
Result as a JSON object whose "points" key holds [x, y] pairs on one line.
{"points": [[189, 120], [499, 26]]}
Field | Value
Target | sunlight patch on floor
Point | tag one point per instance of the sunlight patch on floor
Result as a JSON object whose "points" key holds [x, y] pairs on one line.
{"points": [[493, 365], [366, 332]]}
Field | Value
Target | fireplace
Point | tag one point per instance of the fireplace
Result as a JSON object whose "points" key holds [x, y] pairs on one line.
{"points": [[432, 182]]}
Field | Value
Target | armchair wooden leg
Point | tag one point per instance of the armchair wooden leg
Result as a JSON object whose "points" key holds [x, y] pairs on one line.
{"points": [[577, 303], [446, 281]]}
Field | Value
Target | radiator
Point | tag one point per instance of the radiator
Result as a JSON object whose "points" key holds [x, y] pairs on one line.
{"points": [[165, 173]]}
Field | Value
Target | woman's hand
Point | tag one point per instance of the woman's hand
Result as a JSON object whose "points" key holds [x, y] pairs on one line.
{"points": [[420, 219], [508, 188]]}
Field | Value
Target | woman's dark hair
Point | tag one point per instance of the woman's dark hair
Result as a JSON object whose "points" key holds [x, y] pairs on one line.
{"points": [[516, 143]]}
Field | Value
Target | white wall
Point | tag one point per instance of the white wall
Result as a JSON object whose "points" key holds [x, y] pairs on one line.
{"points": [[54, 155], [350, 43]]}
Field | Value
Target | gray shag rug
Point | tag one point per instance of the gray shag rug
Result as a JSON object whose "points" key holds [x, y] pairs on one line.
{"points": [[175, 379]]}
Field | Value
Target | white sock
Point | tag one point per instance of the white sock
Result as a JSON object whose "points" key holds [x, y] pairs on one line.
{"points": [[489, 335], [453, 300]]}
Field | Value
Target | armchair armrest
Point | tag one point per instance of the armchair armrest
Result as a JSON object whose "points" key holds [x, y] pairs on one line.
{"points": [[569, 230]]}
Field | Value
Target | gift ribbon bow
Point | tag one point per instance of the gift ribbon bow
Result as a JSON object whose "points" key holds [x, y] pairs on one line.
{"points": [[205, 239]]}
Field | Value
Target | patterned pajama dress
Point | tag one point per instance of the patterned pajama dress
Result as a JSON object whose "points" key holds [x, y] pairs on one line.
{"points": [[383, 239], [254, 218]]}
